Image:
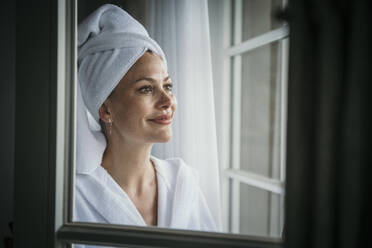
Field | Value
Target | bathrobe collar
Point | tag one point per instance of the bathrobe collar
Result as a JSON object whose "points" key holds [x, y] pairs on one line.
{"points": [[176, 184]]}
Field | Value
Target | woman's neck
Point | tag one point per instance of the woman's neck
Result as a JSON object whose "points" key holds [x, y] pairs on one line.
{"points": [[130, 166]]}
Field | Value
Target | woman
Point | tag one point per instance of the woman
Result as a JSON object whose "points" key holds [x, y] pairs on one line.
{"points": [[124, 85]]}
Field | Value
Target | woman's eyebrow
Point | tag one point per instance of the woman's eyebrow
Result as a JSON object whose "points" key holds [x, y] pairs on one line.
{"points": [[152, 80]]}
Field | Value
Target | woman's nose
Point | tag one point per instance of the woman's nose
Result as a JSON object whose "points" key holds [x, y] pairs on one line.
{"points": [[165, 100]]}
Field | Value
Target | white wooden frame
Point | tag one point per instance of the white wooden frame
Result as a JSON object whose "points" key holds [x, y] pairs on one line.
{"points": [[258, 181], [235, 122], [233, 172], [225, 122], [258, 41], [67, 231]]}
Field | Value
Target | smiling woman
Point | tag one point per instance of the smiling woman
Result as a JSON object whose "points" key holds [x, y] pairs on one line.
{"points": [[142, 98], [137, 114], [124, 85]]}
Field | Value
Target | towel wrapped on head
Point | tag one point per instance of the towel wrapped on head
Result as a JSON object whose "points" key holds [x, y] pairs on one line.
{"points": [[110, 41]]}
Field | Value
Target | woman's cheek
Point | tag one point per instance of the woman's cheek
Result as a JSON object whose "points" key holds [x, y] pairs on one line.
{"points": [[174, 103]]}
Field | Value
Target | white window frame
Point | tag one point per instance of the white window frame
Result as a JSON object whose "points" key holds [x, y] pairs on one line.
{"points": [[68, 232], [232, 174]]}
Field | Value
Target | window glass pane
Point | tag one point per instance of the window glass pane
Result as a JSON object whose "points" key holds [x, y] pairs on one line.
{"points": [[259, 212], [258, 17], [148, 199], [261, 111]]}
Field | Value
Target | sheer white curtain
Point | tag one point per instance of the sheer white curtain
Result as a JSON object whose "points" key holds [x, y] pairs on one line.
{"points": [[181, 28]]}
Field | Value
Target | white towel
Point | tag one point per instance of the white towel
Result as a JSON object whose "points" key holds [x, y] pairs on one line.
{"points": [[110, 41]]}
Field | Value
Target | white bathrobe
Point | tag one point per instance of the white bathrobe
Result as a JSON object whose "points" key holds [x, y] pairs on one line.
{"points": [[109, 43], [181, 204]]}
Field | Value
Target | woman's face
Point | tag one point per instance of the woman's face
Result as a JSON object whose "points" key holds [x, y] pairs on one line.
{"points": [[142, 105]]}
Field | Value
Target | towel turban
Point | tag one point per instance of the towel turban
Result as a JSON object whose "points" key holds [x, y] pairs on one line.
{"points": [[110, 41]]}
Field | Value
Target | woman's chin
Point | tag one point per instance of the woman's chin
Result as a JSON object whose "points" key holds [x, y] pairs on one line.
{"points": [[163, 138]]}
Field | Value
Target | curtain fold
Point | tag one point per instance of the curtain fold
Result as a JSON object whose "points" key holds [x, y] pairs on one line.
{"points": [[328, 164], [182, 30]]}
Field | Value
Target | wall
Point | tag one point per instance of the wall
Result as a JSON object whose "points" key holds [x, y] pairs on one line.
{"points": [[7, 105]]}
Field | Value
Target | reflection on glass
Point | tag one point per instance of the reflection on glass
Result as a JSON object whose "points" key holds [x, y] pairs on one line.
{"points": [[260, 111], [258, 17], [261, 152], [260, 212]]}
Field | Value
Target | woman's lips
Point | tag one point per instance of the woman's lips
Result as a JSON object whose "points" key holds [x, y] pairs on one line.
{"points": [[163, 120]]}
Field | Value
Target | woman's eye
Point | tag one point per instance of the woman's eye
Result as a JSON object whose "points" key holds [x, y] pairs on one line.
{"points": [[168, 87], [146, 89]]}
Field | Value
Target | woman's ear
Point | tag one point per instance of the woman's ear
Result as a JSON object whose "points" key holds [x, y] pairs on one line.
{"points": [[104, 113]]}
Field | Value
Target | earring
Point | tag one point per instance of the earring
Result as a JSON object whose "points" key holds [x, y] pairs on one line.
{"points": [[110, 126]]}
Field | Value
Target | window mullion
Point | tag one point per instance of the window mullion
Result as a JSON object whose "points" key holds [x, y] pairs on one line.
{"points": [[257, 181], [258, 41], [60, 114], [236, 117], [66, 113], [283, 133], [225, 122], [284, 96]]}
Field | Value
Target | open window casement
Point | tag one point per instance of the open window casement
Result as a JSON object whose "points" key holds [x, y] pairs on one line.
{"points": [[52, 198]]}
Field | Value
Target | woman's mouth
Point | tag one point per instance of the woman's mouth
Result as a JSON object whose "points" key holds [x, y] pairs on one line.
{"points": [[162, 119]]}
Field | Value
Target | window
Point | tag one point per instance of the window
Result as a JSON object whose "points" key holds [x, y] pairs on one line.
{"points": [[243, 178], [45, 74], [255, 52]]}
